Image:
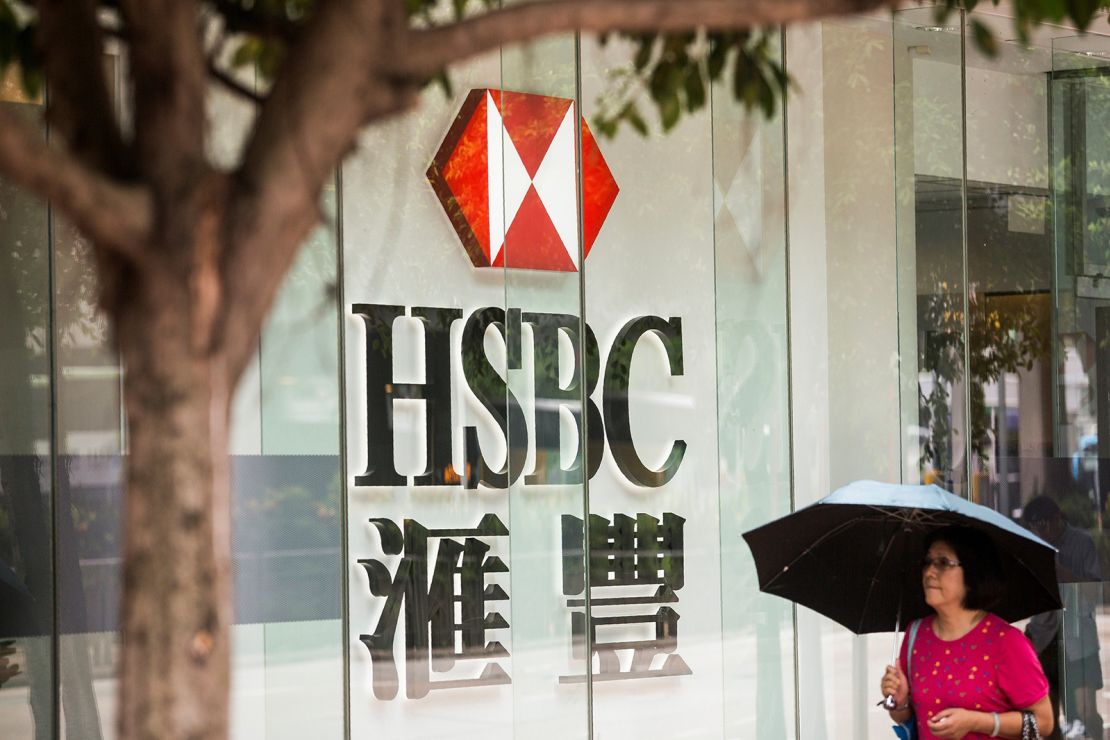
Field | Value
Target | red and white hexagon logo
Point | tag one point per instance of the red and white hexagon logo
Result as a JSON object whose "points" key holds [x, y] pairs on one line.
{"points": [[505, 176]]}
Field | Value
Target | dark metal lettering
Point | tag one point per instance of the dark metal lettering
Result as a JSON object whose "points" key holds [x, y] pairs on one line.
{"points": [[378, 323], [430, 623], [498, 399], [625, 555], [618, 370], [436, 393], [551, 396]]}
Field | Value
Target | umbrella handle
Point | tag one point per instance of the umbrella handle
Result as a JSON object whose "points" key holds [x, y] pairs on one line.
{"points": [[888, 702]]}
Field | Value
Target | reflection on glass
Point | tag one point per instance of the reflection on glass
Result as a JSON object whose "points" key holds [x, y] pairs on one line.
{"points": [[26, 510], [753, 413], [1075, 518], [1009, 269], [929, 121]]}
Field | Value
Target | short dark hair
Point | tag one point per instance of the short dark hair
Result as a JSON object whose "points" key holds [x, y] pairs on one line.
{"points": [[1041, 508], [979, 560]]}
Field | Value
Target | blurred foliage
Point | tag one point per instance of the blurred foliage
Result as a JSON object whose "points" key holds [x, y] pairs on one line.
{"points": [[671, 70], [1001, 341], [17, 46]]}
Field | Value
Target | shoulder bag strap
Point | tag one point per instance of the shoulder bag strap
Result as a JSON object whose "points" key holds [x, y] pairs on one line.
{"points": [[909, 647]]}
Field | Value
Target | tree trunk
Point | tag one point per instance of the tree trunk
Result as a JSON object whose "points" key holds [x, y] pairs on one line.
{"points": [[174, 676]]}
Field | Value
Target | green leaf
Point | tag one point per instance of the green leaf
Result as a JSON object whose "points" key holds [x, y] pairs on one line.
{"points": [[9, 34], [665, 80], [695, 88], [443, 80], [741, 77], [643, 55], [28, 60], [718, 55], [767, 98], [669, 111], [270, 57], [781, 76], [984, 39], [631, 114], [1082, 12], [247, 53], [606, 127]]}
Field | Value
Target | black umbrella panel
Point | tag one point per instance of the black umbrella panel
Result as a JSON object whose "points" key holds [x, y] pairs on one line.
{"points": [[858, 562]]}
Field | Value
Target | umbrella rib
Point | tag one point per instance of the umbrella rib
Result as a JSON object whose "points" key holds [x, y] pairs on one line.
{"points": [[832, 532], [908, 515]]}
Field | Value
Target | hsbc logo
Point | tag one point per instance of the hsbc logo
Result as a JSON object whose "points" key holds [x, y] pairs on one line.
{"points": [[505, 175]]}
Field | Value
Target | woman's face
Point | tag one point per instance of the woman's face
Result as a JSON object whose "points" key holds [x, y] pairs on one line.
{"points": [[942, 577]]}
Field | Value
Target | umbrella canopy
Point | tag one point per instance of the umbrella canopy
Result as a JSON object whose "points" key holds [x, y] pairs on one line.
{"points": [[855, 555]]}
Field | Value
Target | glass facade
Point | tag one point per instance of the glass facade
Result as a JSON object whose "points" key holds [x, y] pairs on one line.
{"points": [[527, 385]]}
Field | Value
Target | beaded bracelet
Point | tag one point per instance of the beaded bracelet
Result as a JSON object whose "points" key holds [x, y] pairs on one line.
{"points": [[1029, 728]]}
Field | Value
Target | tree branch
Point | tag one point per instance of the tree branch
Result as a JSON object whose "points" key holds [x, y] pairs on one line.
{"points": [[335, 81], [430, 50], [117, 218], [241, 20], [171, 84], [80, 108]]}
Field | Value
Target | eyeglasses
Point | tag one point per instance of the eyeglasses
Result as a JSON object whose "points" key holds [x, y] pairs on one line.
{"points": [[941, 564]]}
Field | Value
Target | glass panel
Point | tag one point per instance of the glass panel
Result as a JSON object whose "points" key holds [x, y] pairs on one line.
{"points": [[27, 676], [549, 363], [844, 330], [1073, 514], [753, 432], [929, 120], [426, 341], [655, 564], [1009, 264], [295, 535], [89, 434]]}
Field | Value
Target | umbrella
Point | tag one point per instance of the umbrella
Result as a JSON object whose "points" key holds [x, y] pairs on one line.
{"points": [[855, 555]]}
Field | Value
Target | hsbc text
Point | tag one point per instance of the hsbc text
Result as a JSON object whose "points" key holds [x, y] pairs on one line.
{"points": [[609, 423]]}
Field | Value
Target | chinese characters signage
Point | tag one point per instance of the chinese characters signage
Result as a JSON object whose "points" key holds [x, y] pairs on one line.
{"points": [[440, 590]]}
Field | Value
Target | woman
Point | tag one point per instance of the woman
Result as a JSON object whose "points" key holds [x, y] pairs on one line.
{"points": [[972, 673]]}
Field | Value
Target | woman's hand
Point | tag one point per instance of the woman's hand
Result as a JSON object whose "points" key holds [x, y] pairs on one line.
{"points": [[894, 684], [954, 723]]}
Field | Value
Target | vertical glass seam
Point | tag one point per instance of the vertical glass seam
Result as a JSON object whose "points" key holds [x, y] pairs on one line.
{"points": [[717, 369], [899, 382], [963, 239], [55, 635], [258, 349], [344, 539], [789, 359], [583, 438], [508, 337], [1054, 312], [119, 81]]}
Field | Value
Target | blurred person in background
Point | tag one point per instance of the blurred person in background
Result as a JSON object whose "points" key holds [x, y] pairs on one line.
{"points": [[1077, 563]]}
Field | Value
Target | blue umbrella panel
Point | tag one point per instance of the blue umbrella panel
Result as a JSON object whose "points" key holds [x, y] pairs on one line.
{"points": [[855, 555]]}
